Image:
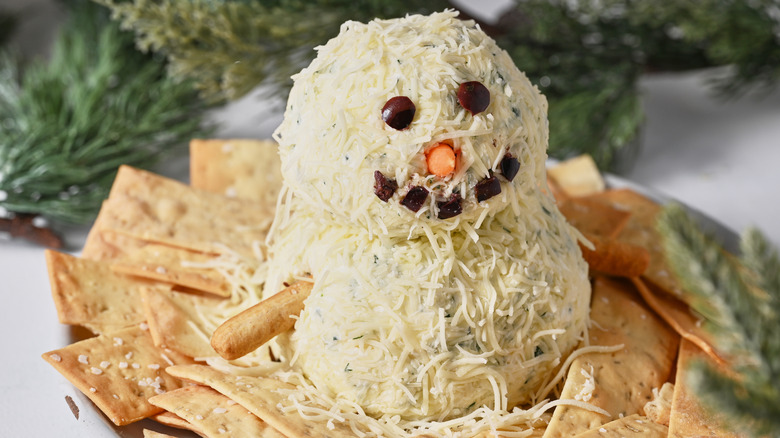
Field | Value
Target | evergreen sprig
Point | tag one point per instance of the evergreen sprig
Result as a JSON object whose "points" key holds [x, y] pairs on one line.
{"points": [[586, 56], [231, 47], [66, 125], [740, 302], [7, 26]]}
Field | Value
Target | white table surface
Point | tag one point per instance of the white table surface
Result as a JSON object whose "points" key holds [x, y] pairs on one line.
{"points": [[719, 157]]}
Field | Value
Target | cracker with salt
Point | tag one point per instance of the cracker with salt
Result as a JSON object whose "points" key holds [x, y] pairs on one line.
{"points": [[578, 176], [96, 247], [90, 294], [263, 397], [118, 372], [177, 266], [148, 433], [688, 417], [161, 210], [620, 382], [172, 420], [631, 426], [679, 316], [248, 169], [213, 414], [173, 321]]}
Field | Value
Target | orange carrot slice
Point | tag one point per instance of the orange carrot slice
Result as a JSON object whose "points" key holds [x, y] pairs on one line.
{"points": [[441, 160]]}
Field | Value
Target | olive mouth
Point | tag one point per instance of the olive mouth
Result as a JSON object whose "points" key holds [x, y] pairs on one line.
{"points": [[448, 205]]}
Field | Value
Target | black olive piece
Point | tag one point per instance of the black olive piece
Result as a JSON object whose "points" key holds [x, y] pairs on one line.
{"points": [[509, 167], [473, 96], [451, 207], [487, 188], [415, 198], [398, 112], [384, 187]]}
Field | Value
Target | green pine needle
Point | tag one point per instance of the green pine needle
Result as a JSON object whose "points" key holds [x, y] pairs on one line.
{"points": [[7, 26], [66, 125], [229, 47], [739, 300]]}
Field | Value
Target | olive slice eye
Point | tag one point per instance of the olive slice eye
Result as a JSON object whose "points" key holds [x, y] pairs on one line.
{"points": [[474, 97], [509, 167], [398, 112]]}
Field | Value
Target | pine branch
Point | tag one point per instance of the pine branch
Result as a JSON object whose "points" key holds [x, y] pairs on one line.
{"points": [[739, 304], [748, 403], [69, 123], [7, 26], [229, 47]]}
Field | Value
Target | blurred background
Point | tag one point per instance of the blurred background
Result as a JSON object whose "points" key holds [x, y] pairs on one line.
{"points": [[677, 96]]}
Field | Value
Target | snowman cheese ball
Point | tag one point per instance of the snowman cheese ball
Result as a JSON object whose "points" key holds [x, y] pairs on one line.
{"points": [[445, 279]]}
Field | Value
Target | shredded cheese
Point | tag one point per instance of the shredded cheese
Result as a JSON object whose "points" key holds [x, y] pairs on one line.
{"points": [[415, 325]]}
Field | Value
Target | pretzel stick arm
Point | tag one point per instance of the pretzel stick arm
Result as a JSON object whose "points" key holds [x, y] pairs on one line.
{"points": [[248, 330]]}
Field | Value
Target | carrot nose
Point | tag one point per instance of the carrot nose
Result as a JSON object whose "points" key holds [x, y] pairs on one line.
{"points": [[441, 160]]}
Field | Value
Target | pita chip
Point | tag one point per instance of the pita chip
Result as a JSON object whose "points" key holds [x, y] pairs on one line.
{"points": [[679, 316], [641, 230], [688, 417]]}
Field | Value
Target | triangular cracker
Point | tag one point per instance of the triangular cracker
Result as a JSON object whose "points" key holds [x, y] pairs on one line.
{"points": [[263, 397], [172, 420], [679, 316], [213, 414], [622, 381], [174, 323], [148, 433], [626, 427], [591, 215], [641, 230], [118, 372], [90, 294], [688, 417]]}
